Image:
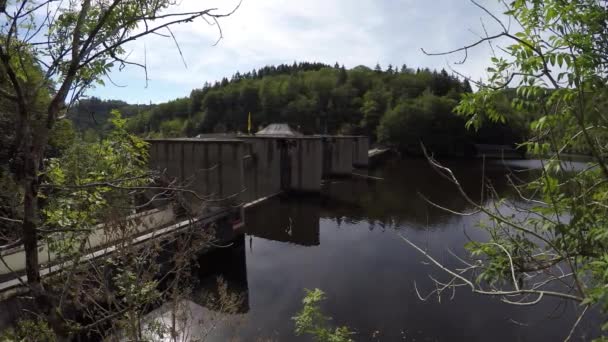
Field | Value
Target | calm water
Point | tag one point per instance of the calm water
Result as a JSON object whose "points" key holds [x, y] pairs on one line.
{"points": [[347, 242]]}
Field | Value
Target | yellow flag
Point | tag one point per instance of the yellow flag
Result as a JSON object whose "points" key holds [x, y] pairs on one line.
{"points": [[249, 123]]}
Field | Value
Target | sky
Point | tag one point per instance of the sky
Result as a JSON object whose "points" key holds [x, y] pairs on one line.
{"points": [[270, 32]]}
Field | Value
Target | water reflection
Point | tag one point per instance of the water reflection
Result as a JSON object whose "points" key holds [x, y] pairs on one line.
{"points": [[289, 222], [396, 200], [347, 243], [368, 272]]}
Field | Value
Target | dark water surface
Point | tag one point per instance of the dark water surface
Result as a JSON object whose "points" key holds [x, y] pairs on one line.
{"points": [[347, 243]]}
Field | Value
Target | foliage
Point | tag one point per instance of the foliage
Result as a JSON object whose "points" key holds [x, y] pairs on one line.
{"points": [[172, 128], [93, 113], [80, 196], [315, 98], [557, 62], [311, 97], [30, 331], [311, 320], [427, 119], [10, 205], [61, 137], [11, 160], [52, 52]]}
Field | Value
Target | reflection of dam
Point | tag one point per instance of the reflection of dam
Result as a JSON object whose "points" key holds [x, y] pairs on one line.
{"points": [[279, 219]]}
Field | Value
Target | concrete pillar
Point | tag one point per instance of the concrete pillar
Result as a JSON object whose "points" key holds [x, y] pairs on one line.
{"points": [[307, 164], [337, 156], [360, 151], [212, 168], [262, 167]]}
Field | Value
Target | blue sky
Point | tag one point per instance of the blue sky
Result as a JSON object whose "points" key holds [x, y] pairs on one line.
{"points": [[265, 32]]}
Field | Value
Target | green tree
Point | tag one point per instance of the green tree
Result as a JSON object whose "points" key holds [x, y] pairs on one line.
{"points": [[375, 103], [71, 202], [558, 63], [172, 128], [314, 98], [428, 120], [48, 59]]}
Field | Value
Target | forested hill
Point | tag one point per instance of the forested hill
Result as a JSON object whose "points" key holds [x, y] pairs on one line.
{"points": [[93, 113], [396, 106]]}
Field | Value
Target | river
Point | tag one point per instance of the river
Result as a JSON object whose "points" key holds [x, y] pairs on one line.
{"points": [[348, 243]]}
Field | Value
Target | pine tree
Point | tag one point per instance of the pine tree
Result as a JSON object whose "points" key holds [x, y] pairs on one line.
{"points": [[342, 76], [467, 86]]}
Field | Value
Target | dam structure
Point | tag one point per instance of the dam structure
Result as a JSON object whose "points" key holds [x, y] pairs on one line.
{"points": [[223, 174]]}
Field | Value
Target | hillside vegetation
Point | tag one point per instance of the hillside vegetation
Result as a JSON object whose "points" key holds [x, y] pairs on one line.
{"points": [[399, 107]]}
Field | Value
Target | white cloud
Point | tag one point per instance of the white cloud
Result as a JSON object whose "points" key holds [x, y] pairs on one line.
{"points": [[263, 32]]}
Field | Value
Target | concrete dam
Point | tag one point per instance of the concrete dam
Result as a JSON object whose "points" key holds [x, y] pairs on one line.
{"points": [[234, 170], [223, 174]]}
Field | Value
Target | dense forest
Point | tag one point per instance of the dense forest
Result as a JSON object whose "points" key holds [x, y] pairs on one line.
{"points": [[93, 113], [398, 107]]}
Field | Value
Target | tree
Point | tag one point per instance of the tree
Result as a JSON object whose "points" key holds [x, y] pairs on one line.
{"points": [[558, 64], [342, 76], [312, 96], [50, 54], [378, 68], [172, 128], [429, 120], [375, 103], [467, 86]]}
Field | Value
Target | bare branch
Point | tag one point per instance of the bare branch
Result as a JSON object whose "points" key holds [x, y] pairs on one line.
{"points": [[492, 292], [578, 320], [504, 28], [7, 219]]}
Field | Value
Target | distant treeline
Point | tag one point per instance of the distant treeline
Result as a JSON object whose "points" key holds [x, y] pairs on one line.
{"points": [[400, 107]]}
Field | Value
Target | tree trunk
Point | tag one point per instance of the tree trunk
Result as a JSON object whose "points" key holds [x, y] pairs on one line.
{"points": [[35, 142], [30, 237], [31, 162]]}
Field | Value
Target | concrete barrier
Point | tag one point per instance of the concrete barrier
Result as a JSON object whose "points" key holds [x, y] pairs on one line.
{"points": [[337, 156], [262, 168], [360, 151], [279, 164], [256, 167], [306, 156], [213, 168]]}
